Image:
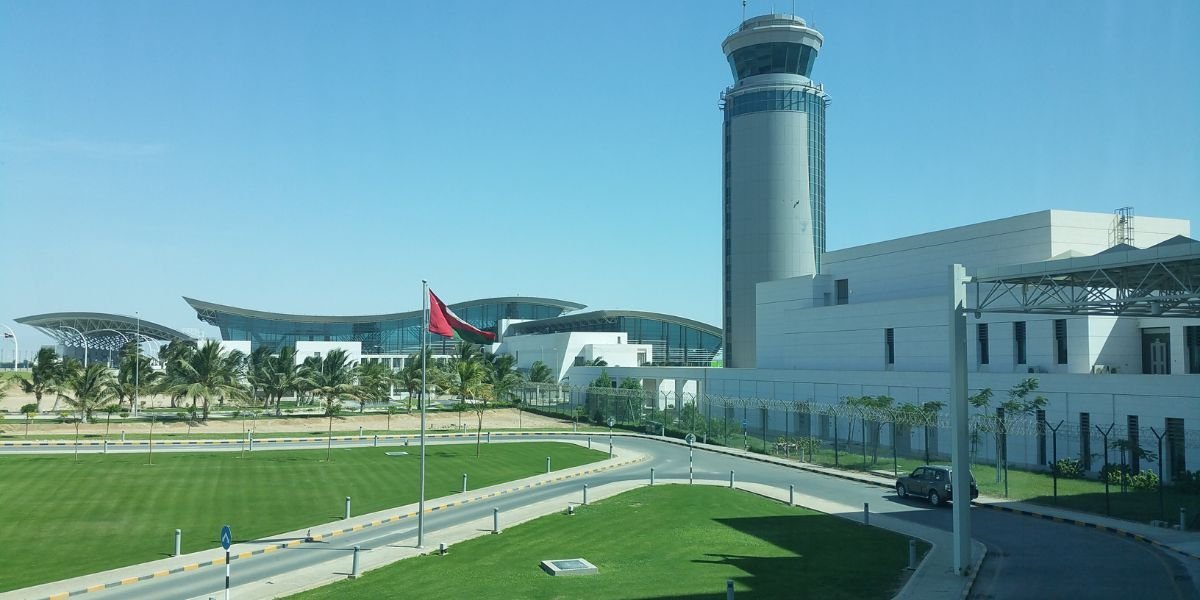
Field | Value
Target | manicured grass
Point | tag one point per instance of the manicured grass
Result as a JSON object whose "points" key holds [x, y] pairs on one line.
{"points": [[15, 431], [671, 541], [106, 511]]}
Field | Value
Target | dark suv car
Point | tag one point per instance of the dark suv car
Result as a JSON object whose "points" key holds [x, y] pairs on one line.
{"points": [[932, 482]]}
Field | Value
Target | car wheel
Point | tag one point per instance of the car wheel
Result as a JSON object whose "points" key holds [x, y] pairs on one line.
{"points": [[901, 490], [935, 499]]}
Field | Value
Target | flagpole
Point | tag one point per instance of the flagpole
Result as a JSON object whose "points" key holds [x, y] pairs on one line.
{"points": [[424, 341]]}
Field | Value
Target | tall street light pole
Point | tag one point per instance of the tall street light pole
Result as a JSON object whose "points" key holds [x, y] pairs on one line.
{"points": [[16, 348], [424, 401]]}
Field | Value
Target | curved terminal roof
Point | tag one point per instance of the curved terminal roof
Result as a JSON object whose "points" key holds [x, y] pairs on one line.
{"points": [[207, 311], [102, 331], [574, 322]]}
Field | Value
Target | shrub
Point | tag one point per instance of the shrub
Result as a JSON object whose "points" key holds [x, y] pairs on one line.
{"points": [[1068, 468], [1187, 482], [1146, 480]]}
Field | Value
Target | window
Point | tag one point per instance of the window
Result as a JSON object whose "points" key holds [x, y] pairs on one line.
{"points": [[1019, 341], [1041, 437], [1060, 341], [1085, 440], [889, 345], [981, 335], [1131, 433], [842, 288], [641, 357], [1191, 348], [1176, 453]]}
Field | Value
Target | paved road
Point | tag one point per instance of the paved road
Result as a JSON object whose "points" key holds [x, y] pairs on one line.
{"points": [[1027, 558]]}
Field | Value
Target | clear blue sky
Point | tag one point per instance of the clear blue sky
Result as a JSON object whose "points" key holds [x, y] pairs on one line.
{"points": [[325, 157]]}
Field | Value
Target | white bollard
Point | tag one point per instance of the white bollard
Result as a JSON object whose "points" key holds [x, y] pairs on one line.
{"points": [[728, 589], [347, 507], [589, 442], [585, 493], [360, 431], [731, 480], [547, 464], [489, 437], [1182, 519], [251, 435], [651, 475], [866, 513], [178, 540], [377, 440], [464, 483], [105, 451], [122, 435], [442, 549], [354, 564], [791, 495], [495, 520]]}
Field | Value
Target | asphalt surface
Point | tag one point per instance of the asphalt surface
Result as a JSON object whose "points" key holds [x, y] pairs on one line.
{"points": [[1027, 558]]}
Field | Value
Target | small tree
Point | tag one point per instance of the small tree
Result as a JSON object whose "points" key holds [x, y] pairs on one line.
{"points": [[30, 411], [391, 410], [110, 410]]}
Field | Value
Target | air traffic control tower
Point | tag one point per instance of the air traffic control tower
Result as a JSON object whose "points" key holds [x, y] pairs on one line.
{"points": [[774, 168]]}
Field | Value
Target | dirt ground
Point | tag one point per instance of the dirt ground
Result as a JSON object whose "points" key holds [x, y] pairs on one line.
{"points": [[505, 418]]}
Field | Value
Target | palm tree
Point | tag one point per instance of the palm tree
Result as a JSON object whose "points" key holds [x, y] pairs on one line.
{"points": [[172, 356], [279, 375], [375, 383], [209, 373], [332, 378], [89, 389], [256, 365], [410, 375], [540, 373], [503, 378], [464, 375], [44, 376], [133, 374]]}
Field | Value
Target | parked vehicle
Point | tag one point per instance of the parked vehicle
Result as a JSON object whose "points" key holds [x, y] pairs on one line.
{"points": [[931, 482]]}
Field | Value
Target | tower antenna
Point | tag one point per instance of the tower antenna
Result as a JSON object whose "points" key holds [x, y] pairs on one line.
{"points": [[743, 10]]}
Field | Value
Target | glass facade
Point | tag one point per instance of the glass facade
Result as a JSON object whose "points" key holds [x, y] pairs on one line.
{"points": [[772, 57], [388, 334], [674, 343], [812, 103]]}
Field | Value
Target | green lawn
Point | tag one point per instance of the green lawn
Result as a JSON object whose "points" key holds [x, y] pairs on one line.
{"points": [[14, 431], [112, 510], [659, 542]]}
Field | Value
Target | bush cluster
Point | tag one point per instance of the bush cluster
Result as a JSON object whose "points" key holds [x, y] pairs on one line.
{"points": [[1068, 468], [1122, 474]]}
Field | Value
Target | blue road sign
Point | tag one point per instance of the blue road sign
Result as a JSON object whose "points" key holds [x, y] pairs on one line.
{"points": [[226, 537]]}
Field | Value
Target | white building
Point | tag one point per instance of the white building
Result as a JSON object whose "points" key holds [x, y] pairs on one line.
{"points": [[874, 322]]}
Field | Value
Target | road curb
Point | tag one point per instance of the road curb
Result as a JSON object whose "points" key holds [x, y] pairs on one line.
{"points": [[336, 532]]}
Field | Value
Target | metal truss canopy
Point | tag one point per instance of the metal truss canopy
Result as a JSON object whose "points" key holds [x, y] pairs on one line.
{"points": [[103, 331], [1162, 281]]}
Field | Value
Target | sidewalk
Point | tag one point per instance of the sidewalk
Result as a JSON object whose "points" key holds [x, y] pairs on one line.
{"points": [[1184, 543], [132, 574]]}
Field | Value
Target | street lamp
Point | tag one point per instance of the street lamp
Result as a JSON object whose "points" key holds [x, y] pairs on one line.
{"points": [[16, 349], [82, 337]]}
